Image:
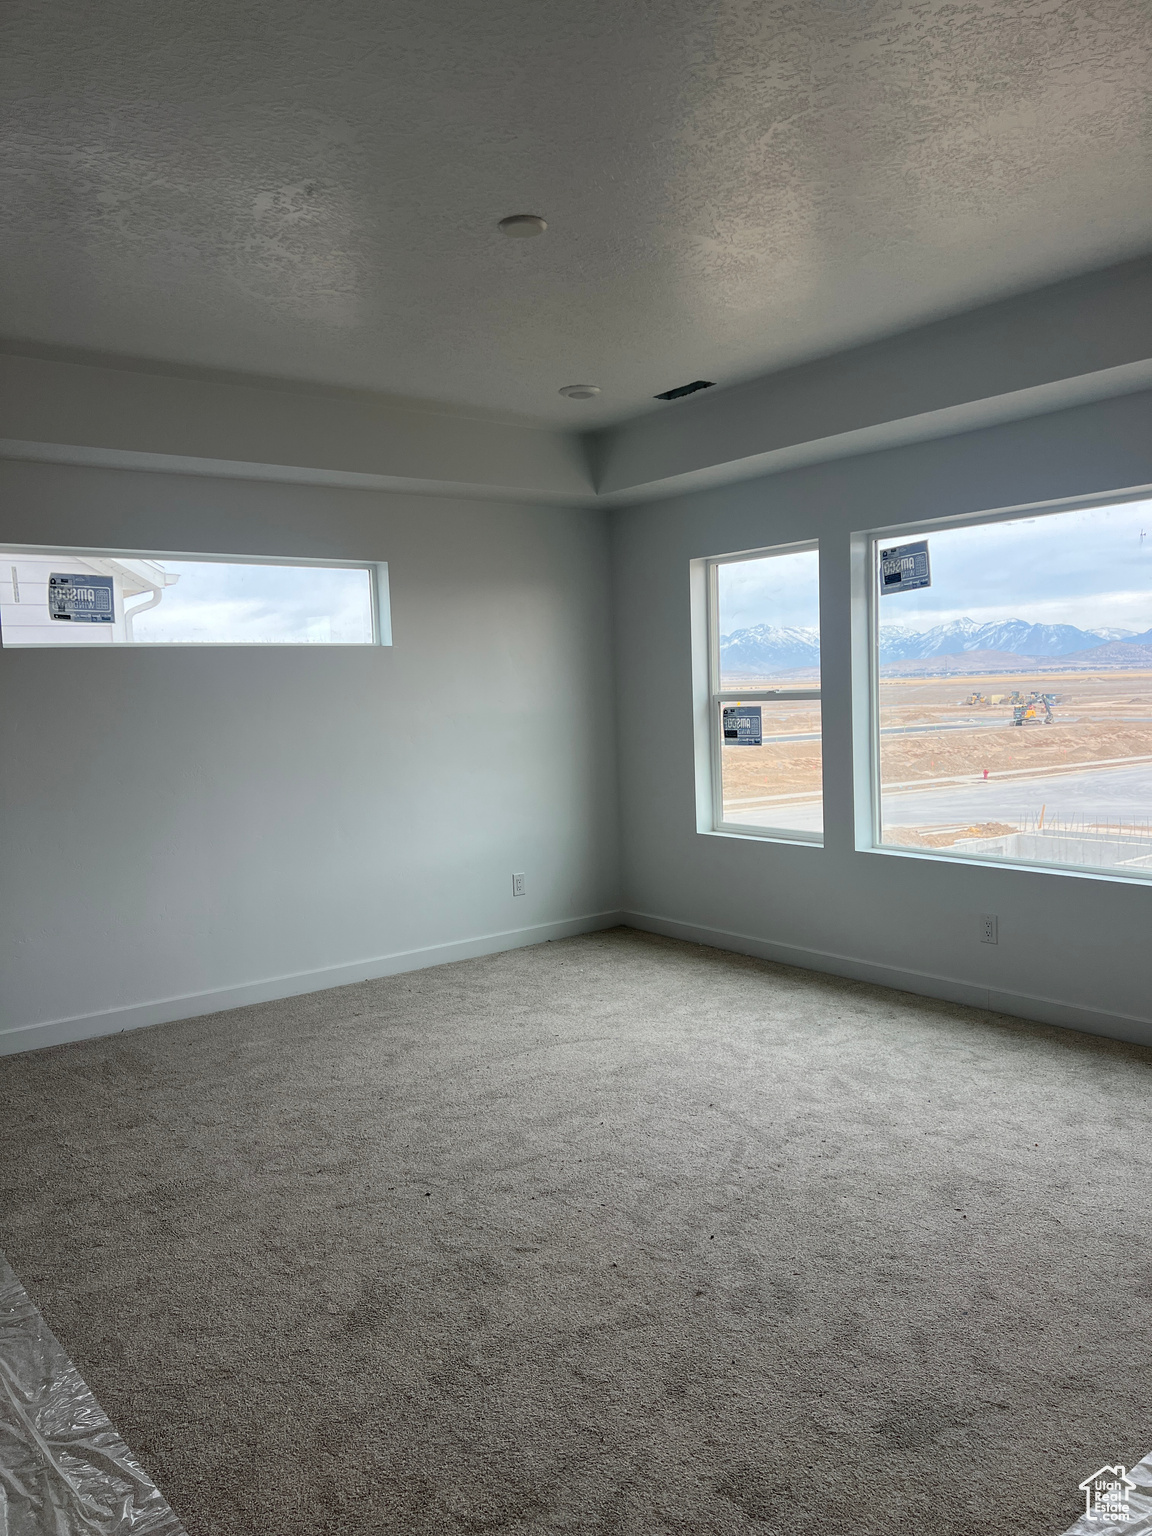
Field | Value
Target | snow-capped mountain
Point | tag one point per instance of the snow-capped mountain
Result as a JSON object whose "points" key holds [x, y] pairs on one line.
{"points": [[763, 650], [1015, 636], [759, 651]]}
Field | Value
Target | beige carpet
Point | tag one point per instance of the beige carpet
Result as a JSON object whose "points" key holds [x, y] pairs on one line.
{"points": [[615, 1235]]}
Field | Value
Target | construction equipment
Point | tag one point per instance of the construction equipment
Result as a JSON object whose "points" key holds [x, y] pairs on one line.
{"points": [[1034, 710]]}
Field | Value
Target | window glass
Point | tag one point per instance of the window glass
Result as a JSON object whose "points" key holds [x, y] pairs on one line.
{"points": [[769, 621], [1015, 690], [60, 598], [767, 638], [776, 784]]}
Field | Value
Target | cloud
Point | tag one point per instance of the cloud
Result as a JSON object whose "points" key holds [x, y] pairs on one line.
{"points": [[218, 603], [1091, 567]]}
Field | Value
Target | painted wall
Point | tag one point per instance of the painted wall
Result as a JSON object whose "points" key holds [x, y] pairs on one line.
{"points": [[1072, 950], [106, 413], [185, 829]]}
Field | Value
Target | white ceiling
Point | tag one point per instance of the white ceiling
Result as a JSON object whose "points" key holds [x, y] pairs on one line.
{"points": [[309, 188]]}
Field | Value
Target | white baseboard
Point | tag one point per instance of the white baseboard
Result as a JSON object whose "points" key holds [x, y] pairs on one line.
{"points": [[1023, 1005], [111, 1021]]}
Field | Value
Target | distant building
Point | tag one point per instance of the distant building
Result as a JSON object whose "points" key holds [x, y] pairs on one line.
{"points": [[24, 616]]}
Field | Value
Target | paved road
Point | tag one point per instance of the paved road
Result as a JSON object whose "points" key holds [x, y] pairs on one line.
{"points": [[973, 725], [1111, 794], [806, 817], [902, 730]]}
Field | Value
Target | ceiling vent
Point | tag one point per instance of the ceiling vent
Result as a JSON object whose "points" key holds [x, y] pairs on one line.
{"points": [[686, 389]]}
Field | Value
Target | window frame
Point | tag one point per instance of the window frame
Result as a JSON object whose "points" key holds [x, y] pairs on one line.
{"points": [[866, 767], [718, 697], [380, 599]]}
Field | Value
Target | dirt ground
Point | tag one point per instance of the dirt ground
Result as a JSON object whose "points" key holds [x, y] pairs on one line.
{"points": [[916, 837], [778, 767], [1097, 718]]}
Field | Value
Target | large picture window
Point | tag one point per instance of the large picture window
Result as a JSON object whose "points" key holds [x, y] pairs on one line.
{"points": [[764, 669], [53, 597], [1013, 689]]}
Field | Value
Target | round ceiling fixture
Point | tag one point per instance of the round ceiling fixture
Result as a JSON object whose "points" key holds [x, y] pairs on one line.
{"points": [[580, 391], [522, 226]]}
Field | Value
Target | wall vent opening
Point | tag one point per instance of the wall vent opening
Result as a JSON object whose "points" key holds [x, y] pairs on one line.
{"points": [[686, 389]]}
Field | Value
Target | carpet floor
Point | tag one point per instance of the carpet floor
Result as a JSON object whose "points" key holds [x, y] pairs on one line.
{"points": [[615, 1235]]}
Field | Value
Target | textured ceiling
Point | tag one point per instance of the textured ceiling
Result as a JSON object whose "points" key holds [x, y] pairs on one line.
{"points": [[309, 188]]}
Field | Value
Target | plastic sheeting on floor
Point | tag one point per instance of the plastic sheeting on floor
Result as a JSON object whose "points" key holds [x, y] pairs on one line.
{"points": [[1137, 1518], [64, 1471]]}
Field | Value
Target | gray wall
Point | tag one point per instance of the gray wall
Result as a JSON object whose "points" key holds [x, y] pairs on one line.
{"points": [[1073, 950], [248, 824], [188, 829]]}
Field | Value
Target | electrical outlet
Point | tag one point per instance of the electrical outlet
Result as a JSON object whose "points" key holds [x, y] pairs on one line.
{"points": [[518, 885], [989, 929]]}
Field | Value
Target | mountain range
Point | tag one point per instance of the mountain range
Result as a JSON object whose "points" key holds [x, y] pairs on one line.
{"points": [[1016, 636], [763, 649]]}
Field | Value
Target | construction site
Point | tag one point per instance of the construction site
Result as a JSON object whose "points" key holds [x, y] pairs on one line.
{"points": [[1054, 767]]}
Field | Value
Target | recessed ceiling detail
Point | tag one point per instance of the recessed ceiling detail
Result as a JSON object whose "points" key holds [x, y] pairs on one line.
{"points": [[310, 191]]}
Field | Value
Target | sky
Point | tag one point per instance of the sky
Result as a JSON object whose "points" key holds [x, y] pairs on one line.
{"points": [[251, 604], [1091, 568], [782, 590]]}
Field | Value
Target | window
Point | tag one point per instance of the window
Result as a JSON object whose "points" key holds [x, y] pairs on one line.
{"points": [[764, 693], [1013, 689], [67, 597]]}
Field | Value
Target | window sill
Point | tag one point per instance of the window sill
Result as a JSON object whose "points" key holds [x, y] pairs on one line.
{"points": [[1076, 871], [765, 835]]}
